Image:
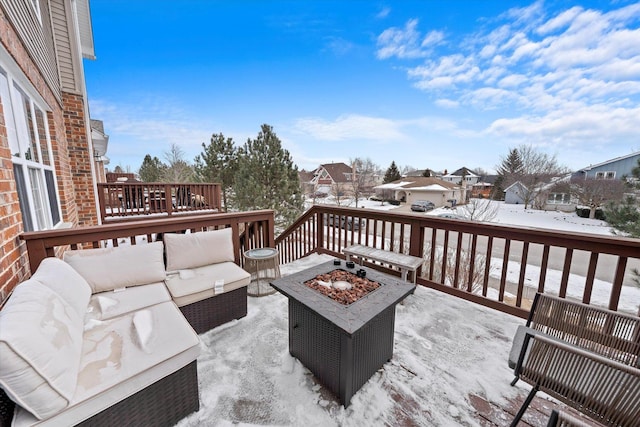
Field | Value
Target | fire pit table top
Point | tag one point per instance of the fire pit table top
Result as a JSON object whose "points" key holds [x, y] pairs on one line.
{"points": [[349, 318]]}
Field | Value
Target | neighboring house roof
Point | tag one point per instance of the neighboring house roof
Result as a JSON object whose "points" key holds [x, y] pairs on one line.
{"points": [[488, 179], [339, 172], [305, 176], [515, 186], [421, 172], [617, 159], [462, 171], [419, 183]]}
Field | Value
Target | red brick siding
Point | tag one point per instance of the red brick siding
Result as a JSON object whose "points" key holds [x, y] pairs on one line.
{"points": [[80, 158], [71, 159]]}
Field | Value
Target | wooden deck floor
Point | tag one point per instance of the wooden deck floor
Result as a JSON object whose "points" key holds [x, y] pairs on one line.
{"points": [[490, 414]]}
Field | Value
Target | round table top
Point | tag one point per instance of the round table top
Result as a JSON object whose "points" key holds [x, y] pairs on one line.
{"points": [[260, 253]]}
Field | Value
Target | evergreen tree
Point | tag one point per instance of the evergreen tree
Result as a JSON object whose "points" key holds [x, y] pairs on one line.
{"points": [[152, 169], [511, 167], [218, 163], [624, 217], [267, 178], [392, 174]]}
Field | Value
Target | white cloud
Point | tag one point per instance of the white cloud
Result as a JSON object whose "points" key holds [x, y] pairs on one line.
{"points": [[447, 103], [384, 12], [351, 127], [568, 76], [590, 124], [406, 43]]}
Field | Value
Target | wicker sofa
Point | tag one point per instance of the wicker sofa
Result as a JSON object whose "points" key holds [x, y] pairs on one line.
{"points": [[127, 318], [97, 339]]}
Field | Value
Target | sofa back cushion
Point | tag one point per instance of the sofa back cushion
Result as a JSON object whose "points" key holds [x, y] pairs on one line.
{"points": [[113, 268], [193, 250], [40, 349], [66, 282]]}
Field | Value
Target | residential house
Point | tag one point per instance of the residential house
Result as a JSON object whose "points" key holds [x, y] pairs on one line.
{"points": [[462, 175], [483, 188], [47, 158], [424, 172], [411, 189], [617, 168], [515, 194], [333, 177]]}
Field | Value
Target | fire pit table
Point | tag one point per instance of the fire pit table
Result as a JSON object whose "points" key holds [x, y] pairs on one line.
{"points": [[342, 345]]}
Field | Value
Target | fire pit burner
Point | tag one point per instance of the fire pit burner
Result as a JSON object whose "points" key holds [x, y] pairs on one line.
{"points": [[342, 286]]}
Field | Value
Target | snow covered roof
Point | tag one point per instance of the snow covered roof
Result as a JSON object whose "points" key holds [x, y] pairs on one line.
{"points": [[418, 183]]}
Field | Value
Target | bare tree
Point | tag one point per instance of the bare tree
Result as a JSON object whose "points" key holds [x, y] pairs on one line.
{"points": [[483, 210], [339, 190], [363, 178], [178, 170], [534, 170], [595, 193]]}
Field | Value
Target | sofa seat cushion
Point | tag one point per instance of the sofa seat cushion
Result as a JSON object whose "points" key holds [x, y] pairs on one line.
{"points": [[193, 250], [107, 269], [107, 305], [41, 339], [189, 286], [122, 356]]}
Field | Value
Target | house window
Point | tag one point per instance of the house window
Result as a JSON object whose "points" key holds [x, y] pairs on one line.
{"points": [[605, 175], [558, 199], [30, 146]]}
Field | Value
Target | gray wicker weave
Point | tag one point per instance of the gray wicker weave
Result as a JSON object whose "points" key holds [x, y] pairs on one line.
{"points": [[584, 356], [208, 313], [163, 403]]}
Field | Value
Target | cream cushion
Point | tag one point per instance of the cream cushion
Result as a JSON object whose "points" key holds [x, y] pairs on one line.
{"points": [[65, 281], [193, 250], [200, 283], [40, 349], [114, 268], [122, 356], [107, 305]]}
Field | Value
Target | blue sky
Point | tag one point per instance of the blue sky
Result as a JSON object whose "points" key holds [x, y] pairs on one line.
{"points": [[427, 84]]}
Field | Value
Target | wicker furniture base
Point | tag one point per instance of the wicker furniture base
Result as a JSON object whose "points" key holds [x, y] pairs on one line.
{"points": [[343, 346], [163, 403], [341, 362], [211, 312]]}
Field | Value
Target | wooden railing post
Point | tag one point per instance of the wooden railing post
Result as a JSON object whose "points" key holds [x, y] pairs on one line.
{"points": [[168, 199]]}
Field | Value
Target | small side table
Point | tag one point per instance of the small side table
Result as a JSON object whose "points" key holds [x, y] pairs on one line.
{"points": [[264, 266]]}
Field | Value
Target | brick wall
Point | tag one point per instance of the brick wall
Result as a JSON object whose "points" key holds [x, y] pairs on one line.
{"points": [[80, 158], [73, 170]]}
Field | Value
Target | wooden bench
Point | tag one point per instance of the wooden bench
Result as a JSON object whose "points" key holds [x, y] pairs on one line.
{"points": [[587, 357], [406, 263]]}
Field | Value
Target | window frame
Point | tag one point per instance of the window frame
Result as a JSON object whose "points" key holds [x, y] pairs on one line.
{"points": [[39, 204]]}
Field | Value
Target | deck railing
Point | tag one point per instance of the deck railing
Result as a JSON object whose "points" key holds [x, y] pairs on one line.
{"points": [[250, 230], [494, 265], [134, 200]]}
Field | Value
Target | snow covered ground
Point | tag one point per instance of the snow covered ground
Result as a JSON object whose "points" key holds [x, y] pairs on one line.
{"points": [[445, 350]]}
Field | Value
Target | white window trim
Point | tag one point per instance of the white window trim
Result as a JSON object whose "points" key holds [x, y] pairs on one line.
{"points": [[15, 107]]}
